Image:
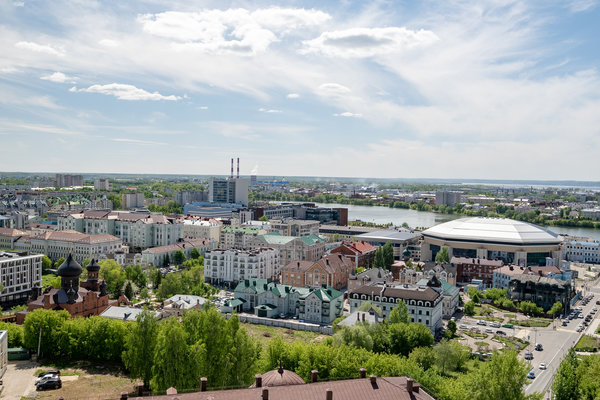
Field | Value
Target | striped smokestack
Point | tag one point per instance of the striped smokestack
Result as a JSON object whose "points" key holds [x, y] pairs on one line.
{"points": [[238, 167]]}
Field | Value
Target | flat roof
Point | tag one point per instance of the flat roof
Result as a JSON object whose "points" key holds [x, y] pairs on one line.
{"points": [[387, 235]]}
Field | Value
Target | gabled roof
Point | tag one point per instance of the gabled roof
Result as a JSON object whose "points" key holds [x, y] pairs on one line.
{"points": [[311, 239], [11, 232]]}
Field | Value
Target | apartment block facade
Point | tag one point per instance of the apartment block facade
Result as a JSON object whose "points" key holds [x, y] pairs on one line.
{"points": [[232, 266], [18, 275]]}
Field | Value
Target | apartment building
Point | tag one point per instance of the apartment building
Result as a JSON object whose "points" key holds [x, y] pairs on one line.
{"points": [[102, 184], [423, 302], [331, 270], [18, 275], [362, 253], [60, 243], [68, 180], [158, 256], [132, 200], [582, 251], [232, 266], [239, 237], [468, 269], [309, 248], [295, 227], [200, 228]]}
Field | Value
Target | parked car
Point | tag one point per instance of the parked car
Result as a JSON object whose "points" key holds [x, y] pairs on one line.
{"points": [[500, 332], [542, 365], [531, 375], [481, 322], [52, 383], [529, 356], [462, 326], [46, 377], [49, 372], [489, 330], [495, 324]]}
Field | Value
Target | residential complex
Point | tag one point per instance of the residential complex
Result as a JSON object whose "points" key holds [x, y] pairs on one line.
{"points": [[424, 303], [200, 228], [239, 237], [367, 277], [68, 180], [62, 243], [331, 270], [132, 200], [161, 256], [291, 248], [361, 252], [582, 251], [19, 275], [295, 227], [232, 266], [468, 269]]}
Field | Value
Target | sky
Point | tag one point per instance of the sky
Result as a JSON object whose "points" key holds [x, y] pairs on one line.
{"points": [[385, 89]]}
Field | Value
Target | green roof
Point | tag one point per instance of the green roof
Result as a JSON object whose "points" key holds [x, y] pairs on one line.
{"points": [[449, 289], [311, 239], [276, 238], [327, 294], [235, 302], [255, 285]]}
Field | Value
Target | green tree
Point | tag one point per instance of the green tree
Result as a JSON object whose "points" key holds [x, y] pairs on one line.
{"points": [[50, 322], [443, 256], [388, 255], [178, 257], [114, 275], [556, 309], [403, 338], [379, 261], [264, 219], [59, 262], [423, 356], [140, 347], [144, 293], [46, 263], [195, 253], [452, 327], [399, 313], [176, 364], [135, 274], [470, 308], [495, 295], [129, 291], [450, 356], [565, 386], [15, 334]]}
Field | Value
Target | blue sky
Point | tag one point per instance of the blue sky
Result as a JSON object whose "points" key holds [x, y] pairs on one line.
{"points": [[452, 89]]}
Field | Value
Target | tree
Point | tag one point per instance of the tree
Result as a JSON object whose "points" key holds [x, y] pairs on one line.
{"points": [[442, 256], [367, 305], [379, 261], [388, 255], [566, 384], [50, 323], [140, 346], [470, 308], [403, 338], [399, 313], [556, 309], [452, 327], [423, 356], [144, 293], [114, 275], [59, 262], [264, 219], [46, 263], [195, 254], [178, 257], [129, 291], [135, 274]]}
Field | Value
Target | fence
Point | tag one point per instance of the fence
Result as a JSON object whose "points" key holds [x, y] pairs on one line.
{"points": [[284, 323]]}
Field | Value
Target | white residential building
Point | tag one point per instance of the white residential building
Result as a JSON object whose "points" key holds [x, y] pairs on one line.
{"points": [[424, 303], [587, 252], [295, 227], [60, 243], [233, 266], [3, 352], [200, 228], [102, 184], [132, 200], [157, 256], [18, 275]]}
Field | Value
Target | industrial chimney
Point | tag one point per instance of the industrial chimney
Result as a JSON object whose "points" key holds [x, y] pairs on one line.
{"points": [[231, 176], [238, 167]]}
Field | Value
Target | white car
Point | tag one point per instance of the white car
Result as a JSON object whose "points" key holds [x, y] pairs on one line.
{"points": [[481, 322], [488, 330], [542, 365], [463, 326]]}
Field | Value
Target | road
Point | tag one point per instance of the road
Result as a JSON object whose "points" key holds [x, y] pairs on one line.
{"points": [[556, 344]]}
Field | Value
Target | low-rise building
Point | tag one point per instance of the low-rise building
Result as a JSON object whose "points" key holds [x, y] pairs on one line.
{"points": [[126, 313], [332, 270], [400, 240], [9, 236], [361, 252], [291, 248], [450, 292], [468, 269], [233, 266], [414, 272], [200, 228], [369, 276], [3, 353], [159, 256], [542, 291], [423, 302], [295, 227], [238, 237], [321, 305], [503, 275], [19, 275], [582, 251], [62, 243], [179, 303]]}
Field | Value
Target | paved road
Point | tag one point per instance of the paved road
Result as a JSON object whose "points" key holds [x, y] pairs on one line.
{"points": [[556, 344], [19, 380]]}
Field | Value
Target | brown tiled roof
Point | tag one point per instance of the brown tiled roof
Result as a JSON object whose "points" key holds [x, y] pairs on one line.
{"points": [[393, 388], [360, 247], [280, 377], [11, 232], [409, 293], [76, 237], [296, 266]]}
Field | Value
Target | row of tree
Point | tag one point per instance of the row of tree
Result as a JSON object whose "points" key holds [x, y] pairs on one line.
{"points": [[577, 378]]}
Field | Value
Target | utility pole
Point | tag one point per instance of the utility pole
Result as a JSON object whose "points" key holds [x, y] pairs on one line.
{"points": [[39, 343]]}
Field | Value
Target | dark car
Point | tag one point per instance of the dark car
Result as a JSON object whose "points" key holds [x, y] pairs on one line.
{"points": [[500, 333], [52, 383]]}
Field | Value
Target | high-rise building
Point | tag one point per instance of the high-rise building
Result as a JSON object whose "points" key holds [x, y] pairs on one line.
{"points": [[229, 190], [68, 180], [132, 200], [102, 184]]}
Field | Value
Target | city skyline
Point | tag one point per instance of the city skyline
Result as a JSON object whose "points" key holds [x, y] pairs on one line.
{"points": [[493, 90]]}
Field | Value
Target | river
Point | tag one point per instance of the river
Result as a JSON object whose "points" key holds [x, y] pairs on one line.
{"points": [[427, 219]]}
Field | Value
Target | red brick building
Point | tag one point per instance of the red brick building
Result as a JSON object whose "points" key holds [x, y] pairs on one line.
{"points": [[468, 269], [89, 298], [362, 253], [332, 270]]}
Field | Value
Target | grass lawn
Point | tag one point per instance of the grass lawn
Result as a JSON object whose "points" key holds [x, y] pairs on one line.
{"points": [[533, 322], [87, 380], [510, 315], [587, 343], [265, 333], [482, 344], [510, 343], [476, 335]]}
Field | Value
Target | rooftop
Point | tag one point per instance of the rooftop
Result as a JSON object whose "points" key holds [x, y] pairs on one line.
{"points": [[387, 235]]}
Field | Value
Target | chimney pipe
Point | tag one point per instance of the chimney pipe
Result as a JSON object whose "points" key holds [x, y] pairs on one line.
{"points": [[265, 394], [373, 379], [231, 176], [363, 317], [409, 385], [203, 384], [329, 394], [314, 376], [363, 373], [258, 380], [238, 167], [123, 395]]}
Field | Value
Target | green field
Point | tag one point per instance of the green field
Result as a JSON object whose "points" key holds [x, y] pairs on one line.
{"points": [[264, 334]]}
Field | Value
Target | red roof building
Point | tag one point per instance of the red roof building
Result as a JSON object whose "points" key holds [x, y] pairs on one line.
{"points": [[362, 253]]}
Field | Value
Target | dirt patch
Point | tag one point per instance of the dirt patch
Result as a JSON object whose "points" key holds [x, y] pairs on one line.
{"points": [[101, 386]]}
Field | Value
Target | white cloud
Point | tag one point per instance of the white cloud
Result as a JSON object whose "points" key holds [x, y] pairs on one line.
{"points": [[18, 3], [265, 110], [232, 31], [202, 108], [367, 42], [137, 141], [292, 95], [347, 114], [125, 92], [581, 5], [333, 89], [108, 43], [39, 48], [59, 77]]}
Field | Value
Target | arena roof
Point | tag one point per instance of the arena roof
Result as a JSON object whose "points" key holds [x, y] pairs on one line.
{"points": [[493, 230]]}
